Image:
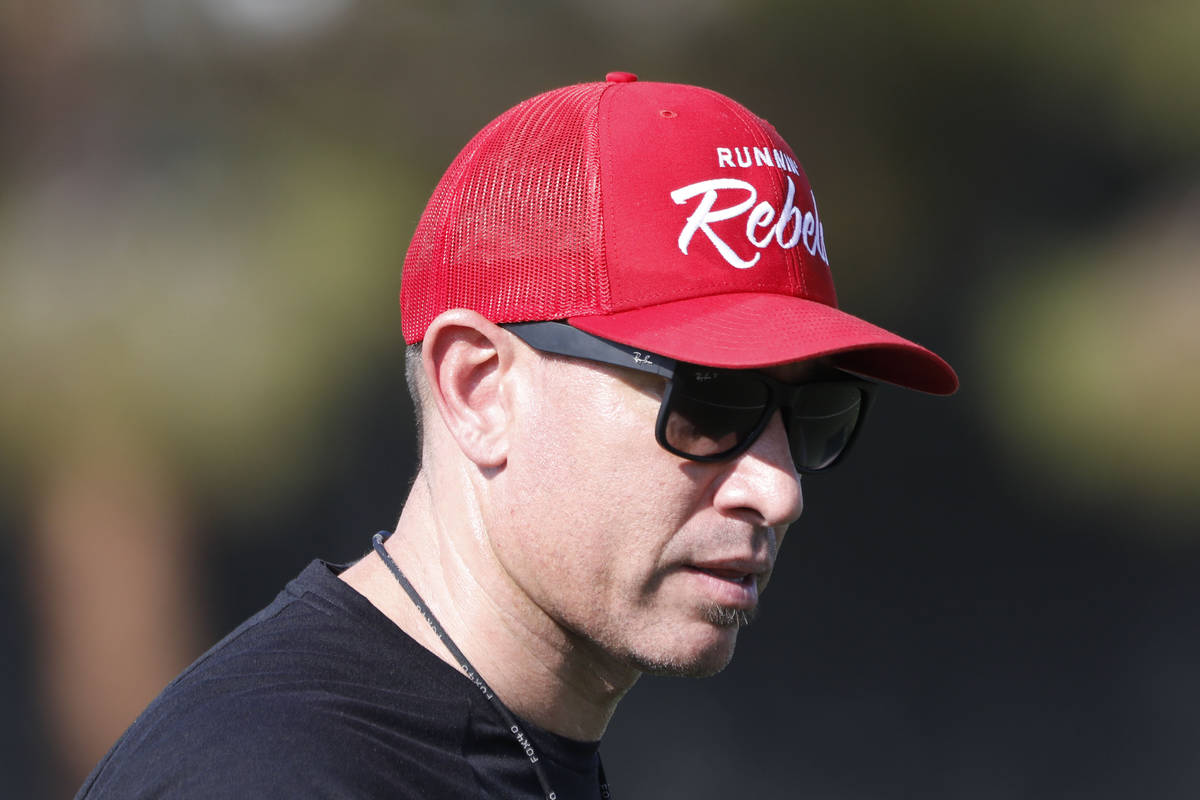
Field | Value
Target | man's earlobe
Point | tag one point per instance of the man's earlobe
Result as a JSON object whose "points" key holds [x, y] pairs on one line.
{"points": [[465, 358]]}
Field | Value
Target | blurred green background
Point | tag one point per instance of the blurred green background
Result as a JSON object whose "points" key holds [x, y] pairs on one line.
{"points": [[204, 207]]}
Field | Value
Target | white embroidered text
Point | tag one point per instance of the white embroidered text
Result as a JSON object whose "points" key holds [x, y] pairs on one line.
{"points": [[762, 224]]}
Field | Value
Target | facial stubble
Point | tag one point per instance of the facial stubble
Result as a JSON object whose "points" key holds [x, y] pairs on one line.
{"points": [[727, 617], [719, 616]]}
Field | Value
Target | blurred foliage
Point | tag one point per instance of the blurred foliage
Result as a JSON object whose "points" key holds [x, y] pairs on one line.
{"points": [[208, 200], [211, 307], [1095, 349]]}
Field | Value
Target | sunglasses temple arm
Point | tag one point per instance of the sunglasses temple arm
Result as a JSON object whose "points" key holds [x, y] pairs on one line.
{"points": [[564, 340]]}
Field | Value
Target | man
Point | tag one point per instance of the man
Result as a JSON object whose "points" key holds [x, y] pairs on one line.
{"points": [[625, 349]]}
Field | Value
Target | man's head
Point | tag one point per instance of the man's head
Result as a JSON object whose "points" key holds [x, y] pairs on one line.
{"points": [[633, 458]]}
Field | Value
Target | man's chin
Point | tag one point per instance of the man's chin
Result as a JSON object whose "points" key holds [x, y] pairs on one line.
{"points": [[699, 668], [703, 662]]}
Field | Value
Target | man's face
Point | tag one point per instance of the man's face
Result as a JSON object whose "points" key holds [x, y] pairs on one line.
{"points": [[651, 559]]}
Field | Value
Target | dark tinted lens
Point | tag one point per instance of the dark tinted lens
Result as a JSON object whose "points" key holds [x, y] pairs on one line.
{"points": [[713, 411], [822, 423]]}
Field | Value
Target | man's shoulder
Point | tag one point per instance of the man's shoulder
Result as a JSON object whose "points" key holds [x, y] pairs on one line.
{"points": [[318, 632], [290, 740], [317, 695]]}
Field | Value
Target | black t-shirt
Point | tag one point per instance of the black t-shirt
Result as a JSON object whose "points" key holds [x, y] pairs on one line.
{"points": [[321, 695]]}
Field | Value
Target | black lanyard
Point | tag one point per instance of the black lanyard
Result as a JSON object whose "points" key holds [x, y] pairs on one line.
{"points": [[509, 718]]}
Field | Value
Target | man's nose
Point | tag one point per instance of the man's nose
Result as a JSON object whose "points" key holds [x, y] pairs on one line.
{"points": [[763, 482]]}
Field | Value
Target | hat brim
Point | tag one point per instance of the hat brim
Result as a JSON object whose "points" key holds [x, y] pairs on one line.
{"points": [[754, 330]]}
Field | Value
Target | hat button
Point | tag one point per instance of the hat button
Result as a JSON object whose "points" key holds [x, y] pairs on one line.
{"points": [[620, 77]]}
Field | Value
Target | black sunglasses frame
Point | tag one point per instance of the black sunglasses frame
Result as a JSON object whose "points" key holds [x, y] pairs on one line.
{"points": [[562, 339]]}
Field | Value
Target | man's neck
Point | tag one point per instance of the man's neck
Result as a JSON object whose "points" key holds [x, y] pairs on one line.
{"points": [[540, 671]]}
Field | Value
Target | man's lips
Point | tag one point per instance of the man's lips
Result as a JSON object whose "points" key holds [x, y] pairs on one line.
{"points": [[739, 570], [732, 584], [727, 574]]}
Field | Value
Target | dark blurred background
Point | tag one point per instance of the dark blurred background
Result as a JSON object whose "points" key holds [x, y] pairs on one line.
{"points": [[204, 207]]}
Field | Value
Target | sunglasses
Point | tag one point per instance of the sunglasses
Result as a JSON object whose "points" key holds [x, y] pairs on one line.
{"points": [[711, 414]]}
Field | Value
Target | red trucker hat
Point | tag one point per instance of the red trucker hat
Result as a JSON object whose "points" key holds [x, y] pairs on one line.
{"points": [[661, 216]]}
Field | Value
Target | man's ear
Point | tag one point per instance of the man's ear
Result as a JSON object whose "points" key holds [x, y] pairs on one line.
{"points": [[466, 358]]}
